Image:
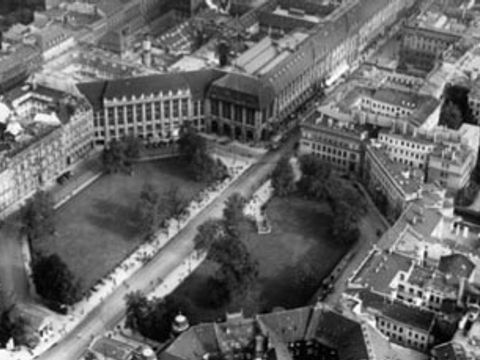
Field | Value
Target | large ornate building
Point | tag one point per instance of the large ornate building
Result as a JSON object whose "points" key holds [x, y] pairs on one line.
{"points": [[44, 133]]}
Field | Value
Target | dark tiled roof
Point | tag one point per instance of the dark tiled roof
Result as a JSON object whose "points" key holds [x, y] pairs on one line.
{"points": [[457, 265], [196, 81], [398, 311], [290, 325], [189, 345], [93, 91], [243, 89]]}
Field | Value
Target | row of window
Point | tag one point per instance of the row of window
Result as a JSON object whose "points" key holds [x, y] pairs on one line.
{"points": [[233, 112]]}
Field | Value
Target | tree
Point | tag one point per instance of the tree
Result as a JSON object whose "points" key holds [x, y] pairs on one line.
{"points": [[316, 177], [38, 216], [208, 233], [202, 165], [207, 169], [283, 178], [138, 311], [54, 281], [175, 201], [191, 143], [113, 157], [450, 115], [132, 146], [17, 327], [233, 213], [153, 318], [148, 210]]}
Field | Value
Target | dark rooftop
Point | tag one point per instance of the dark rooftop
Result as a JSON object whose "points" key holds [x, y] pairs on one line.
{"points": [[244, 89], [397, 311], [457, 265], [196, 81]]}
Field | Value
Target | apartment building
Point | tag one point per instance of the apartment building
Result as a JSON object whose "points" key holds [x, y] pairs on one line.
{"points": [[398, 183], [408, 148], [426, 37], [386, 105], [334, 140], [402, 324], [474, 99], [427, 288], [451, 165], [45, 133], [153, 108], [17, 62]]}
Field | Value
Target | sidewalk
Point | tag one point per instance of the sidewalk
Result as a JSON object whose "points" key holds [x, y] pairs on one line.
{"points": [[119, 276]]}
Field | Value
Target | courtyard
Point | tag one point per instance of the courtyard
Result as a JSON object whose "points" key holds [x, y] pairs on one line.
{"points": [[97, 229], [293, 260]]}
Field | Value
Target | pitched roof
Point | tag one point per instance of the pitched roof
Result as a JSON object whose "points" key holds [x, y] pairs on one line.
{"points": [[196, 81], [243, 89], [93, 91], [449, 351], [397, 311], [290, 325]]}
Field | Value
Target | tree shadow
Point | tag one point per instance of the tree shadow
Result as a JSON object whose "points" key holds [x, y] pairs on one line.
{"points": [[114, 218]]}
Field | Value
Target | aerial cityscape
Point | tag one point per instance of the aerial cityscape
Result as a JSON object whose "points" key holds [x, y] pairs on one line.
{"points": [[239, 180]]}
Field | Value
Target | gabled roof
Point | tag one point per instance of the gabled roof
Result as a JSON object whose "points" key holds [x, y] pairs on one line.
{"points": [[397, 311], [449, 351], [94, 92], [290, 325], [195, 81]]}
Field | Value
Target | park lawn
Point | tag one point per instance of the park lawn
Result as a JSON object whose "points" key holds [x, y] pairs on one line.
{"points": [[97, 228], [299, 244]]}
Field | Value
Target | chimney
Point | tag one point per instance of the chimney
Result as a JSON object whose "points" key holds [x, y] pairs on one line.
{"points": [[465, 231]]}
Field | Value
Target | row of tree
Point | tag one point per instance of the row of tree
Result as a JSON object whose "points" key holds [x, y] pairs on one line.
{"points": [[51, 276], [235, 281], [154, 207], [320, 183], [232, 283], [202, 165], [117, 155]]}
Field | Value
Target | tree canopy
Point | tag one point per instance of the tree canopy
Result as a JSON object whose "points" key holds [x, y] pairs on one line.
{"points": [[233, 213], [38, 216], [153, 318], [54, 281], [283, 178], [202, 165], [17, 327], [450, 115]]}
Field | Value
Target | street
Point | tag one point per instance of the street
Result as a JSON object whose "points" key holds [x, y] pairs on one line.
{"points": [[112, 310]]}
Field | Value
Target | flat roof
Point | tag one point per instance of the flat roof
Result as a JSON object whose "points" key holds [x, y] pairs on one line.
{"points": [[407, 179], [379, 271]]}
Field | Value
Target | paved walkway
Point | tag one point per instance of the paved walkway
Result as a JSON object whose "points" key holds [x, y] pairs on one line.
{"points": [[112, 309]]}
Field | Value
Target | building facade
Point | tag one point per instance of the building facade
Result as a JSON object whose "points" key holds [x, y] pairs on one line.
{"points": [[152, 108], [402, 324], [48, 135], [451, 166], [339, 143], [398, 183], [422, 46], [241, 107]]}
